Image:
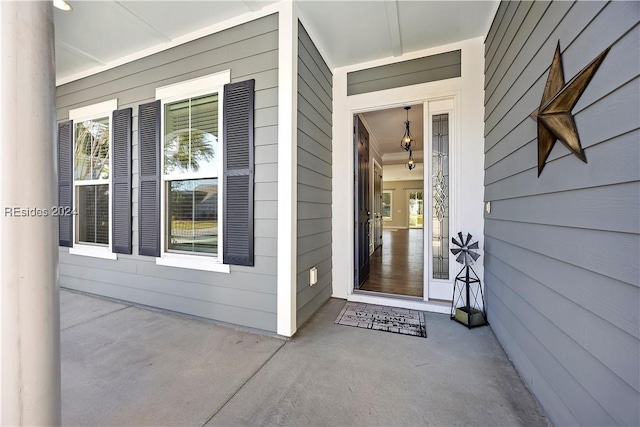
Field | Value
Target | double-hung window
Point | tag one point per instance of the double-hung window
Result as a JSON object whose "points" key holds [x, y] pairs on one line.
{"points": [[191, 178], [92, 160]]}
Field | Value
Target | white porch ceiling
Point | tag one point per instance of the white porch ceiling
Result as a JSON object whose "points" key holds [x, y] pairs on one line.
{"points": [[97, 33]]}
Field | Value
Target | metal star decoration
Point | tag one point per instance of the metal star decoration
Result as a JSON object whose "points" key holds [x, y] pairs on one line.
{"points": [[555, 121]]}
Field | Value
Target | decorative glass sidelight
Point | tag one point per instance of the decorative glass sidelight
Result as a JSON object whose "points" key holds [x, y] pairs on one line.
{"points": [[440, 191]]}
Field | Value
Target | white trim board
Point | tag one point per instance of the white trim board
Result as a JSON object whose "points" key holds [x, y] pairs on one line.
{"points": [[194, 87], [287, 169], [94, 111]]}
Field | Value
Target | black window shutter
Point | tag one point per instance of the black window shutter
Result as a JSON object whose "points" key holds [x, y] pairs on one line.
{"points": [[65, 181], [149, 158], [238, 173], [121, 181]]}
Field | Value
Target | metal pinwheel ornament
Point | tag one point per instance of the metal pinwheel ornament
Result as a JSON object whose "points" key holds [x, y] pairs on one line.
{"points": [[465, 250]]}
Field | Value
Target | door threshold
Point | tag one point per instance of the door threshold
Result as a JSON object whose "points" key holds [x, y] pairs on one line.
{"points": [[388, 295], [400, 301]]}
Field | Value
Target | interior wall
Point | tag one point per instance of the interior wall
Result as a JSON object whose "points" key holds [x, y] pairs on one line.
{"points": [[562, 249], [399, 201]]}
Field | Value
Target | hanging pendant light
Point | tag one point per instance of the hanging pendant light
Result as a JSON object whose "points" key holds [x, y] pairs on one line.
{"points": [[407, 142], [411, 164]]}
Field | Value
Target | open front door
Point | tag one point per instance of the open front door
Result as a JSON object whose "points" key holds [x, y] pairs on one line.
{"points": [[362, 202]]}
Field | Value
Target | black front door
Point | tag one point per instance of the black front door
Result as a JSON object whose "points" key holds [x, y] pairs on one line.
{"points": [[362, 202]]}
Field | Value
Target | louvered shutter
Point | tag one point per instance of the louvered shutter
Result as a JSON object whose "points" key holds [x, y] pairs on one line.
{"points": [[149, 158], [121, 181], [238, 173], [65, 182]]}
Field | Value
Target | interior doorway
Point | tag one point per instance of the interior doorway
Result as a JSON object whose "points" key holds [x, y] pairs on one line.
{"points": [[389, 203], [416, 208]]}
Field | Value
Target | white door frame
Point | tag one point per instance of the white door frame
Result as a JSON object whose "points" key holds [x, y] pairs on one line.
{"points": [[467, 92], [432, 104]]}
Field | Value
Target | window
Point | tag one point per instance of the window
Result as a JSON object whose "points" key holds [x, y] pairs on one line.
{"points": [[191, 174], [440, 198], [387, 207], [191, 162], [92, 159]]}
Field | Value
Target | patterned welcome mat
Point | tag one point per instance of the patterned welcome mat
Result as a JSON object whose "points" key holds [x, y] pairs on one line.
{"points": [[381, 318]]}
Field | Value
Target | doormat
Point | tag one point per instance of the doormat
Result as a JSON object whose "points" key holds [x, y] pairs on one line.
{"points": [[382, 318]]}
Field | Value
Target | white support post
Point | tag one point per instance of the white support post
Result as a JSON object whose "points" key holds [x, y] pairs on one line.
{"points": [[30, 368], [287, 168]]}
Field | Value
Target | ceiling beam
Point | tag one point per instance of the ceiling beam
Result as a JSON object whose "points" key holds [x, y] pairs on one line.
{"points": [[394, 26], [151, 28], [79, 52], [253, 5]]}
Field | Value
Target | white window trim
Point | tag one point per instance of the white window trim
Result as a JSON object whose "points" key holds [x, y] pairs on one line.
{"points": [[194, 262], [213, 83], [93, 251], [93, 111], [89, 112], [194, 87]]}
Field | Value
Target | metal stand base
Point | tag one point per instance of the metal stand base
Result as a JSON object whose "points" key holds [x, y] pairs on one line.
{"points": [[467, 287]]}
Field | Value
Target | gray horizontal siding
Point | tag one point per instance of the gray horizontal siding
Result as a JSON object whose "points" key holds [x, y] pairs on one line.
{"points": [[246, 296], [496, 33], [314, 177], [561, 268], [605, 208], [415, 71]]}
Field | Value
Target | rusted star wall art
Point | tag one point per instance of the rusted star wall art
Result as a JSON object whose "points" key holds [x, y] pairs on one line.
{"points": [[555, 121]]}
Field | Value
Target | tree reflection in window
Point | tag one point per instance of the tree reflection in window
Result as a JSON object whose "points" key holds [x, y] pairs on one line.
{"points": [[190, 172], [91, 179], [191, 136], [92, 149]]}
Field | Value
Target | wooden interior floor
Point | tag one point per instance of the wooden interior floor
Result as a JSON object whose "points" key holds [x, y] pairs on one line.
{"points": [[397, 267]]}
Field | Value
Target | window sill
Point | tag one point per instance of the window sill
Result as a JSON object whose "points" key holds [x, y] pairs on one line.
{"points": [[93, 251], [193, 262]]}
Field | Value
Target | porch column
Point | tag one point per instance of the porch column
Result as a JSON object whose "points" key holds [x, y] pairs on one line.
{"points": [[30, 366]]}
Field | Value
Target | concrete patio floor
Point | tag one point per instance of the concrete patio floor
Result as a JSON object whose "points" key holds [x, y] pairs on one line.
{"points": [[124, 365]]}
